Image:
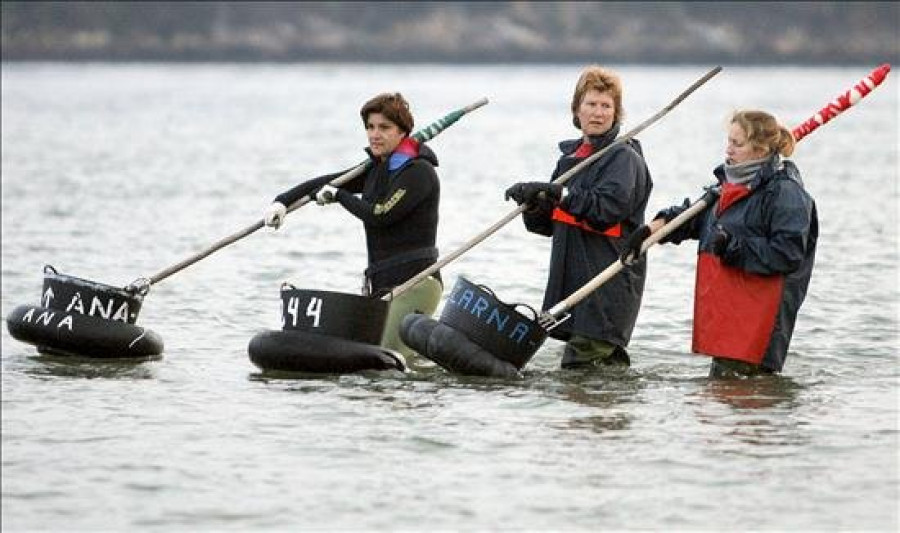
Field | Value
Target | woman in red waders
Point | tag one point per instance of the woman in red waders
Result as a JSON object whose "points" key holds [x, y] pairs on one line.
{"points": [[756, 252]]}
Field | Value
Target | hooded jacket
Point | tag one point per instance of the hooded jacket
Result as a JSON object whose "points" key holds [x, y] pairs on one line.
{"points": [[611, 191], [746, 300]]}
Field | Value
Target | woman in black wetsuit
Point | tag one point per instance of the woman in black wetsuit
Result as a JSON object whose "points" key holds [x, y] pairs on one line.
{"points": [[397, 200]]}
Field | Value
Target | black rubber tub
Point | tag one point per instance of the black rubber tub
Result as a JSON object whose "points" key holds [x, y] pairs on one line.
{"points": [[78, 317]]}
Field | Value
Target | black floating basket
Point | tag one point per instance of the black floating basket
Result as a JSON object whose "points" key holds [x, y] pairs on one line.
{"points": [[496, 326], [336, 314], [70, 294]]}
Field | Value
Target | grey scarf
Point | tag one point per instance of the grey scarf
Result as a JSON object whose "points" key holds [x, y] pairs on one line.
{"points": [[744, 172]]}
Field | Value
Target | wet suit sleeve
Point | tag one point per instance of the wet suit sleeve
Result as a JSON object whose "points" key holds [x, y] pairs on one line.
{"points": [[409, 189], [308, 187], [611, 198], [782, 251]]}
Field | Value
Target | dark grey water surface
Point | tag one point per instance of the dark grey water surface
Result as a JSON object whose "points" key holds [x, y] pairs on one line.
{"points": [[115, 172]]}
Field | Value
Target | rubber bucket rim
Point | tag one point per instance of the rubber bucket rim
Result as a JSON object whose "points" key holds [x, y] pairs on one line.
{"points": [[73, 284], [337, 314]]}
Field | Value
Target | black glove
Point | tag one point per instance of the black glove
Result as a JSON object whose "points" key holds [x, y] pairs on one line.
{"points": [[526, 192], [711, 193], [632, 249], [668, 214], [720, 240]]}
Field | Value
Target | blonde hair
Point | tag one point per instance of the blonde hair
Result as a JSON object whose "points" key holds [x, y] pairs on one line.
{"points": [[763, 131], [603, 80]]}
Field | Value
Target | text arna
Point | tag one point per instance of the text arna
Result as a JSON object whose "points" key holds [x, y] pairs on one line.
{"points": [[491, 315]]}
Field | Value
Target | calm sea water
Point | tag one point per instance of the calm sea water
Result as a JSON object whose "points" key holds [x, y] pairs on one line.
{"points": [[111, 173]]}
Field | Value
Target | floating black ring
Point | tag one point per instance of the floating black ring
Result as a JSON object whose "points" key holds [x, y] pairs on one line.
{"points": [[302, 351], [452, 349], [84, 318], [60, 333]]}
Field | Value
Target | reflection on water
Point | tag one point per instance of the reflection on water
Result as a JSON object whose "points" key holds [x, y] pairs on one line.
{"points": [[50, 366], [760, 413], [607, 394], [610, 408], [753, 393]]}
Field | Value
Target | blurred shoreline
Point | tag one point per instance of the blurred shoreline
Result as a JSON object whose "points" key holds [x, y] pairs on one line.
{"points": [[656, 33]]}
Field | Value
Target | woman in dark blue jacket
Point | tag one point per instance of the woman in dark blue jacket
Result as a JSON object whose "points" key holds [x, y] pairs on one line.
{"points": [[756, 251], [588, 219]]}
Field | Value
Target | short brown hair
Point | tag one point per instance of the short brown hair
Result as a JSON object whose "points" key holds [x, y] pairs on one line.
{"points": [[764, 131], [394, 108], [603, 80]]}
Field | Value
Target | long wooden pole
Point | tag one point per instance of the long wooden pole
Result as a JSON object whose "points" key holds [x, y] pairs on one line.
{"points": [[551, 317], [427, 133], [400, 289]]}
